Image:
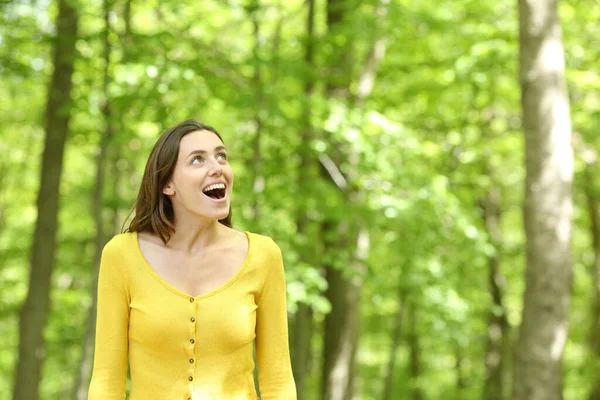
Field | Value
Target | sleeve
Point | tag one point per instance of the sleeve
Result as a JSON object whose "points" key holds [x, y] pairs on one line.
{"points": [[275, 378], [109, 373]]}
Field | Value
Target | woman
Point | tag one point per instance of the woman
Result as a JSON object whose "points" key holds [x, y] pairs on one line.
{"points": [[182, 295]]}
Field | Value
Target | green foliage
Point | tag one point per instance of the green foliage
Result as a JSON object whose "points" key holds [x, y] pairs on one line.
{"points": [[440, 129]]}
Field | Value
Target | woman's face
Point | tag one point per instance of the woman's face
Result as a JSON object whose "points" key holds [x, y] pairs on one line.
{"points": [[202, 179]]}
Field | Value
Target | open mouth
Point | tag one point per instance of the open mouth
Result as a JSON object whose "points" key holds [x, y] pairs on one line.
{"points": [[216, 191]]}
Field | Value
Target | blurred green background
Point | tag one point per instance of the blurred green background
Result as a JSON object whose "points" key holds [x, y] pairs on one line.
{"points": [[379, 143]]}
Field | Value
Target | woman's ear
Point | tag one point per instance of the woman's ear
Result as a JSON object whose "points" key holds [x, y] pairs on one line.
{"points": [[169, 190]]}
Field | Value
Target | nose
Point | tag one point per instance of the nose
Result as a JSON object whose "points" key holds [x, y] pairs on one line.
{"points": [[216, 169]]}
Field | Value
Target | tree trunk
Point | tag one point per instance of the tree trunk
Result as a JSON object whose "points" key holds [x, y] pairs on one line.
{"points": [[343, 292], [461, 379], [358, 267], [258, 179], [301, 336], [594, 215], [548, 204], [3, 207], [395, 343], [414, 361], [301, 349], [340, 324], [34, 313], [497, 337], [87, 359]]}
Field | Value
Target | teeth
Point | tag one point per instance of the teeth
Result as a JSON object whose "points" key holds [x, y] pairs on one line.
{"points": [[215, 186]]}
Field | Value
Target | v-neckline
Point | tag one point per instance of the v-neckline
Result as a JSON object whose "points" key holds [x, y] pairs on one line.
{"points": [[182, 293]]}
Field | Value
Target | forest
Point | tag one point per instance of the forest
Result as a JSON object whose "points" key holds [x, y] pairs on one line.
{"points": [[429, 170]]}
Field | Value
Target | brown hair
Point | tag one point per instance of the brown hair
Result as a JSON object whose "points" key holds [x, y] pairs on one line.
{"points": [[153, 208]]}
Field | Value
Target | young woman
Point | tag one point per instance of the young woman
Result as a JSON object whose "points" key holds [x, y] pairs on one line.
{"points": [[182, 296]]}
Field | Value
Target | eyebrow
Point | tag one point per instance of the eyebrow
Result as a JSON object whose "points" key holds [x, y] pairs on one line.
{"points": [[204, 151]]}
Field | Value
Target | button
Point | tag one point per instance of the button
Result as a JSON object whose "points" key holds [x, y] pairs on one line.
{"points": [[191, 360], [191, 378], [191, 299], [189, 398], [192, 341], [192, 319]]}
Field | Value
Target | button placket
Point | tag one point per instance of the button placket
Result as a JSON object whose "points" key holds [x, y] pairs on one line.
{"points": [[192, 330]]}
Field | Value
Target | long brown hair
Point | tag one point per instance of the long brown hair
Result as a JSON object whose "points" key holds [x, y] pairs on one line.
{"points": [[153, 208]]}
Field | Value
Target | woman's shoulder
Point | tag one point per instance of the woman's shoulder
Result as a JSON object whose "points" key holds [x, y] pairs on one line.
{"points": [[114, 265], [262, 241], [266, 246], [119, 243]]}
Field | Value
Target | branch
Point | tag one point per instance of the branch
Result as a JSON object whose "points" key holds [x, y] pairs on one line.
{"points": [[334, 172]]}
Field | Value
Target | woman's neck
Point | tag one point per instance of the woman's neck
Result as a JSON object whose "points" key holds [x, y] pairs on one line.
{"points": [[192, 236]]}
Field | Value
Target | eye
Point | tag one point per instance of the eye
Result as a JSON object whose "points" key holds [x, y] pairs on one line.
{"points": [[223, 156], [197, 160]]}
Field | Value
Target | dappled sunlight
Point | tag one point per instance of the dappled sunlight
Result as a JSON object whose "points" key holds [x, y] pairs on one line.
{"points": [[428, 170]]}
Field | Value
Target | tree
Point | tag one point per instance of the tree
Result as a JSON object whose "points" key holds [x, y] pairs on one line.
{"points": [[81, 386], [341, 324], [303, 324], [34, 312], [414, 363], [497, 322], [548, 204], [590, 158], [594, 213]]}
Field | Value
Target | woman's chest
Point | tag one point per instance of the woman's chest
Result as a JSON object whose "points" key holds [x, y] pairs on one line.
{"points": [[200, 274], [219, 322]]}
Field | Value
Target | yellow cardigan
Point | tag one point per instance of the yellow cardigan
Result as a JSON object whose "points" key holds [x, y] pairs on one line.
{"points": [[180, 347]]}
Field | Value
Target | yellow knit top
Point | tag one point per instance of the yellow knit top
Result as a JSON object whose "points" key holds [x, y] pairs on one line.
{"points": [[181, 347]]}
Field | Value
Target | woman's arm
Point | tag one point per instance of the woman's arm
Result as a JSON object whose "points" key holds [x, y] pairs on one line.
{"points": [[112, 322], [275, 377]]}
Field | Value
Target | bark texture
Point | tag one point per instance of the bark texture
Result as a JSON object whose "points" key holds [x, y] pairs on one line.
{"points": [[548, 204], [34, 313]]}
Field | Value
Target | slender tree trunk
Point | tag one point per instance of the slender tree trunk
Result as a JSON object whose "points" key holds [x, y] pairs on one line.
{"points": [[395, 343], [461, 379], [497, 338], [126, 35], [362, 248], [277, 43], [414, 361], [548, 204], [374, 57], [594, 215], [258, 178], [117, 220], [3, 207], [342, 293], [34, 313], [87, 359], [341, 325], [301, 349], [301, 337]]}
